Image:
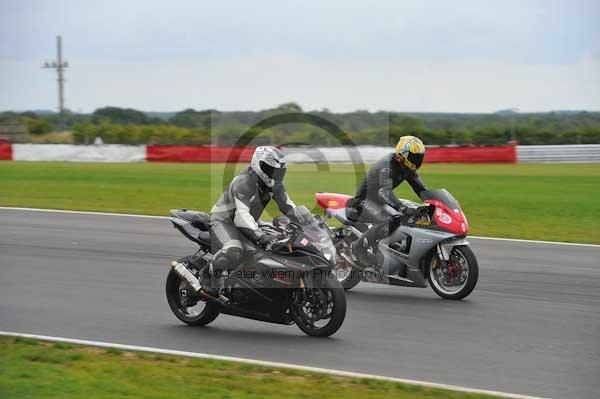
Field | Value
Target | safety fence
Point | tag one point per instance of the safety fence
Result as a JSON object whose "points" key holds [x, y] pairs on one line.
{"points": [[78, 153], [584, 153], [367, 154], [370, 154], [201, 154]]}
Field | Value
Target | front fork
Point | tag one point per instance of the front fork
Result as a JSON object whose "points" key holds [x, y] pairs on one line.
{"points": [[442, 255], [313, 295], [444, 249]]}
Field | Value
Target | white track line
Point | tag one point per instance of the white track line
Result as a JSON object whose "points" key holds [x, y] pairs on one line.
{"points": [[535, 241], [267, 363], [166, 217], [10, 208]]}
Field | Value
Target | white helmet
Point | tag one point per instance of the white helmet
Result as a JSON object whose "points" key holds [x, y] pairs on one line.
{"points": [[270, 164]]}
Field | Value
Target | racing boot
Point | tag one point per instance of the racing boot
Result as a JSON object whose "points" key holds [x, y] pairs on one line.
{"points": [[362, 252], [213, 287]]}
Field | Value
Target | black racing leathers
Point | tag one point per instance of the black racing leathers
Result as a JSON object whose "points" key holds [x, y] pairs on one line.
{"points": [[381, 180], [377, 190]]}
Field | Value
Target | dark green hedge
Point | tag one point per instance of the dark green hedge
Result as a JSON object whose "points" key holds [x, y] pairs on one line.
{"points": [[138, 134], [170, 134], [130, 126]]}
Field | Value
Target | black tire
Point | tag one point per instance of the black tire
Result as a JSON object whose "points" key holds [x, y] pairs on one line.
{"points": [[332, 285], [354, 277], [351, 281], [208, 314], [471, 278]]}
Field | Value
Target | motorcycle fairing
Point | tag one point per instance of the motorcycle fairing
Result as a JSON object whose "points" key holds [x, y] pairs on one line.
{"points": [[448, 214], [332, 200], [421, 242]]}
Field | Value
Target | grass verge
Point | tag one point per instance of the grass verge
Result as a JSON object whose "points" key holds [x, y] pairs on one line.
{"points": [[541, 202], [38, 369]]}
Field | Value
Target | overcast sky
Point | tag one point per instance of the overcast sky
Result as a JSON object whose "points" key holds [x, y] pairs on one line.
{"points": [[461, 56]]}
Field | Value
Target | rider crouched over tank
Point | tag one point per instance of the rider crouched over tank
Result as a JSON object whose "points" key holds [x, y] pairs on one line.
{"points": [[238, 210], [375, 200]]}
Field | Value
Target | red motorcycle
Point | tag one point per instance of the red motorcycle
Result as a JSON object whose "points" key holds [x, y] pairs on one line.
{"points": [[427, 249]]}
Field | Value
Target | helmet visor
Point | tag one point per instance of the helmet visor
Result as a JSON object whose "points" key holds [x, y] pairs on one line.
{"points": [[414, 161], [272, 172]]}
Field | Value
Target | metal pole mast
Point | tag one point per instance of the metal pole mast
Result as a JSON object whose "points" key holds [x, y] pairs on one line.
{"points": [[60, 67], [61, 78]]}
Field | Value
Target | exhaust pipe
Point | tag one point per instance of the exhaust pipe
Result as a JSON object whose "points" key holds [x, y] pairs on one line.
{"points": [[185, 273]]}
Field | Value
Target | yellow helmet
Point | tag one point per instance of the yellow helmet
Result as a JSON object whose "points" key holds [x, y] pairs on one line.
{"points": [[411, 151]]}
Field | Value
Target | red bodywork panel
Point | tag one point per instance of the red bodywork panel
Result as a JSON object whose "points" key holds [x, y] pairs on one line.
{"points": [[453, 220], [332, 200]]}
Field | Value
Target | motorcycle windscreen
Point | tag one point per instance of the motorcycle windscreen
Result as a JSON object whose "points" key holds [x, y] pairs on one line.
{"points": [[442, 195], [313, 234], [302, 216]]}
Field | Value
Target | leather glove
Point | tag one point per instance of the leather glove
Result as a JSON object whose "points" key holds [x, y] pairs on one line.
{"points": [[267, 241]]}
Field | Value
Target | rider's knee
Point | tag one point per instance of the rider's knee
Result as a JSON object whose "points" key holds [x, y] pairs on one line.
{"points": [[227, 258]]}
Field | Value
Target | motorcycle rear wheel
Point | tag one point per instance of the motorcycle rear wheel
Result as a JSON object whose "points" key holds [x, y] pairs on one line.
{"points": [[331, 288], [461, 253], [175, 288]]}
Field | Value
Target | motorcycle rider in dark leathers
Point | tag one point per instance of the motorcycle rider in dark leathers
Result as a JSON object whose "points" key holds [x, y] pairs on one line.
{"points": [[376, 191], [239, 208]]}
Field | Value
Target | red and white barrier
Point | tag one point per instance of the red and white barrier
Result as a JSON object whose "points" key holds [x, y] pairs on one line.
{"points": [[202, 154], [370, 154], [496, 154], [366, 154], [5, 152]]}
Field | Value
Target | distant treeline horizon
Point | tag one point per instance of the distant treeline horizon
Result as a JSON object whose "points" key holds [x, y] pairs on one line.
{"points": [[190, 126]]}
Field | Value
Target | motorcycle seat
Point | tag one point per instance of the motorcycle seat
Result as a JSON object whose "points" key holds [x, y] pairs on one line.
{"points": [[200, 220]]}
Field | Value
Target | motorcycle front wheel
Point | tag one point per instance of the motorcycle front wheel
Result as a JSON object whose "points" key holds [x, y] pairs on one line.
{"points": [[320, 311], [345, 273], [348, 276], [458, 278], [187, 306]]}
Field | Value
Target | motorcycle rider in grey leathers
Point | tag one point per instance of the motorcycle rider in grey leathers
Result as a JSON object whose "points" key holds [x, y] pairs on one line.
{"points": [[239, 208]]}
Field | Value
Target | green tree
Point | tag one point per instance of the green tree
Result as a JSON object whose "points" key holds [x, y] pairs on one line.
{"points": [[191, 118], [35, 125], [122, 116]]}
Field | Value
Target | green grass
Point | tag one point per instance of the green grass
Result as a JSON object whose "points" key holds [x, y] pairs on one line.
{"points": [[544, 202], [38, 369]]}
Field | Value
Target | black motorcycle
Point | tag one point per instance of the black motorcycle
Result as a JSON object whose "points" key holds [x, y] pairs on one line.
{"points": [[291, 282]]}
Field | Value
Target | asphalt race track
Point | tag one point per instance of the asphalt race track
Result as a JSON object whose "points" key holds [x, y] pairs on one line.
{"points": [[532, 326]]}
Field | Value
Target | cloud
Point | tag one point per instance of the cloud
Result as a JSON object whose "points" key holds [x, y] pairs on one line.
{"points": [[398, 55], [236, 83]]}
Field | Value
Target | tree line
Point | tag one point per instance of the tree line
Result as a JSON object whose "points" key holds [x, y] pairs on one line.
{"points": [[130, 126]]}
